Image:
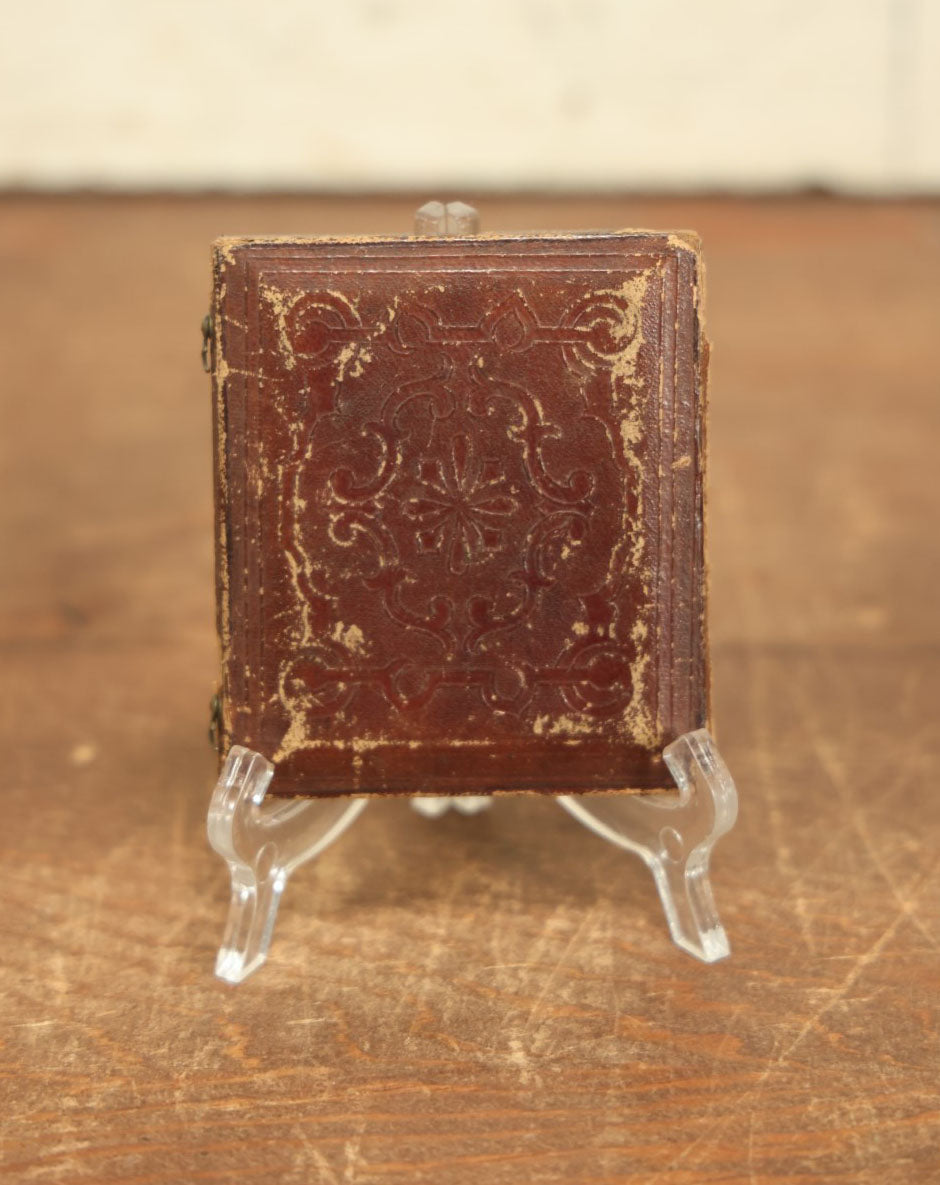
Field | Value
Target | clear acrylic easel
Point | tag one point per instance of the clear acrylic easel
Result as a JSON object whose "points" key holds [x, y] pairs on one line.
{"points": [[264, 842]]}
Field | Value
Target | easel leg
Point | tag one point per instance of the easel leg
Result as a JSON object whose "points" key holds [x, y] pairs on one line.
{"points": [[675, 835], [263, 843]]}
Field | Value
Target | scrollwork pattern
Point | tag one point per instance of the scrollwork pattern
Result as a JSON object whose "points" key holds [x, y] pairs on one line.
{"points": [[468, 500]]}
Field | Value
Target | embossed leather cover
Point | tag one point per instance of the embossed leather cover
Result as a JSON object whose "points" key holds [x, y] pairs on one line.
{"points": [[459, 498]]}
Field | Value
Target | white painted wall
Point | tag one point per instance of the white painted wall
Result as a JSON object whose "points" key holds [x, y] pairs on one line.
{"points": [[440, 95]]}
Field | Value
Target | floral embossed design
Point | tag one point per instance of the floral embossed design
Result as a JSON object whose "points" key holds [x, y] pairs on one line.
{"points": [[481, 508], [462, 507]]}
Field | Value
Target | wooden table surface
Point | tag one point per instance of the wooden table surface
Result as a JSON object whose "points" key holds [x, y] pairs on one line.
{"points": [[487, 1000]]}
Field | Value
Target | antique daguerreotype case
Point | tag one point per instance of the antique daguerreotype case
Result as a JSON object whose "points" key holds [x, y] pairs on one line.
{"points": [[459, 497]]}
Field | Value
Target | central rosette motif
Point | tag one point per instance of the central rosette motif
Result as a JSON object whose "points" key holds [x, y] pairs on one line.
{"points": [[463, 507], [447, 503]]}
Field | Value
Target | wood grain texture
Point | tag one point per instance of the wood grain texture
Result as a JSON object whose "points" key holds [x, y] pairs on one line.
{"points": [[490, 999]]}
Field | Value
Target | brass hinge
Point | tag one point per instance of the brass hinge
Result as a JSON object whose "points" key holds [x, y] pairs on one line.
{"points": [[215, 721], [207, 333]]}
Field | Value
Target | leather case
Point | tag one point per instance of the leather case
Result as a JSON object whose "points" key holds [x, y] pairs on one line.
{"points": [[459, 498]]}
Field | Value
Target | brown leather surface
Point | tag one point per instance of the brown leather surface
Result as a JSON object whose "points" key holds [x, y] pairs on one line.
{"points": [[459, 497]]}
